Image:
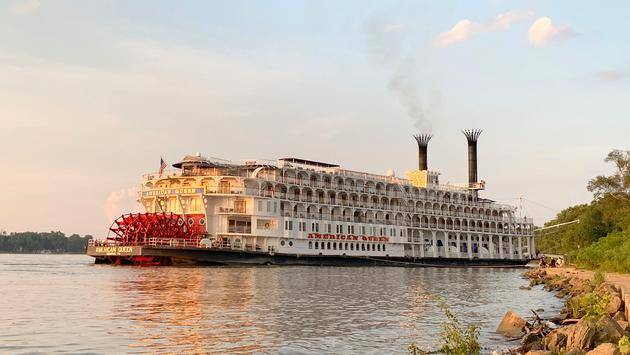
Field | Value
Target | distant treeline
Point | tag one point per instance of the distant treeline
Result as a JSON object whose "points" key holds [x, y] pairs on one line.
{"points": [[601, 240], [46, 242]]}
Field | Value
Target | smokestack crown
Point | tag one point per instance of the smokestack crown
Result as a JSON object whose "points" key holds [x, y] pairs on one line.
{"points": [[423, 139], [472, 134]]}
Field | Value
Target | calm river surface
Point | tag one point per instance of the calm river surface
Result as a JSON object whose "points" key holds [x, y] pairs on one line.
{"points": [[64, 303]]}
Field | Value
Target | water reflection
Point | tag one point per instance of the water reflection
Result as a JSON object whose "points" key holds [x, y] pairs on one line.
{"points": [[308, 310]]}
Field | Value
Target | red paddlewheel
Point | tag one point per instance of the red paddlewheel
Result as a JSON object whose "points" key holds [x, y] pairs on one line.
{"points": [[137, 228]]}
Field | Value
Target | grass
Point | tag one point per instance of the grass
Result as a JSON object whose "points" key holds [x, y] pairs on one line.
{"points": [[598, 279]]}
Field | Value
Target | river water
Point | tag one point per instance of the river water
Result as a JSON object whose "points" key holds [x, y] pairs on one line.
{"points": [[64, 303]]}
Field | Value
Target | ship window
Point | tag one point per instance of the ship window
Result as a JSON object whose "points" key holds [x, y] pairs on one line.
{"points": [[191, 221], [195, 204], [335, 246], [378, 247], [316, 245], [290, 243], [275, 207], [383, 247], [328, 246], [310, 245], [362, 246], [351, 246], [202, 221], [282, 242], [345, 246], [328, 228], [373, 247], [268, 206], [259, 206]]}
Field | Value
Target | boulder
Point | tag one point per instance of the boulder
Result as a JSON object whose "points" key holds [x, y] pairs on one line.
{"points": [[512, 325], [610, 330], [539, 352], [624, 325], [614, 305], [619, 316], [580, 336], [605, 349], [607, 288], [531, 341], [556, 340]]}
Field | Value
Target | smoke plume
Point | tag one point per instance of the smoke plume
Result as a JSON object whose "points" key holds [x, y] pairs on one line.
{"points": [[385, 43]]}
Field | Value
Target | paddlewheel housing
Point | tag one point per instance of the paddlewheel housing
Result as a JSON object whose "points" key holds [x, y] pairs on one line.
{"points": [[141, 228]]}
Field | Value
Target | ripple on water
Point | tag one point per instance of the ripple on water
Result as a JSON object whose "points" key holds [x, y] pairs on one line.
{"points": [[55, 303]]}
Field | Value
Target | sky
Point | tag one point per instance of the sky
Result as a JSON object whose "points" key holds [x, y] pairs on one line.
{"points": [[93, 93]]}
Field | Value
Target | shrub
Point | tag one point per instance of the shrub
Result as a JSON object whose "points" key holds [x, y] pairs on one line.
{"points": [[598, 279], [456, 339], [590, 306], [624, 345]]}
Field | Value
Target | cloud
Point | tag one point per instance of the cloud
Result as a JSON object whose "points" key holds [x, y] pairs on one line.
{"points": [[543, 31], [504, 20], [462, 31], [121, 201], [26, 6], [466, 29]]}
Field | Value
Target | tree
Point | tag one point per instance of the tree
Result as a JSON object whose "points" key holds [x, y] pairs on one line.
{"points": [[617, 184]]}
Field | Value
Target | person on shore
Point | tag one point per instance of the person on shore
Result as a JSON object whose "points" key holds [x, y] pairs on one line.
{"points": [[560, 262], [541, 263], [552, 263]]}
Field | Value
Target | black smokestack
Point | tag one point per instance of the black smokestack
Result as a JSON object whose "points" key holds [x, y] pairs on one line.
{"points": [[423, 140], [472, 135]]}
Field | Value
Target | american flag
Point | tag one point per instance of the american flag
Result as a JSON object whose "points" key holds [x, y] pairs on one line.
{"points": [[162, 166]]}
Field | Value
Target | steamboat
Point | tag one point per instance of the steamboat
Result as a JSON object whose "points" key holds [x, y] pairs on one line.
{"points": [[300, 212]]}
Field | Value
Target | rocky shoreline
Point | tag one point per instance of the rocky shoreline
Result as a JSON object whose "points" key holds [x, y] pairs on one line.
{"points": [[594, 319]]}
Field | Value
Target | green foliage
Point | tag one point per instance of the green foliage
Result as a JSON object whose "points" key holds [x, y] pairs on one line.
{"points": [[607, 254], [590, 306], [617, 184], [52, 242], [624, 345], [598, 279], [456, 339], [602, 238]]}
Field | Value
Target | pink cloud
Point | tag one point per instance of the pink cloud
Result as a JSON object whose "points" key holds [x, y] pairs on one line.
{"points": [[543, 31]]}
